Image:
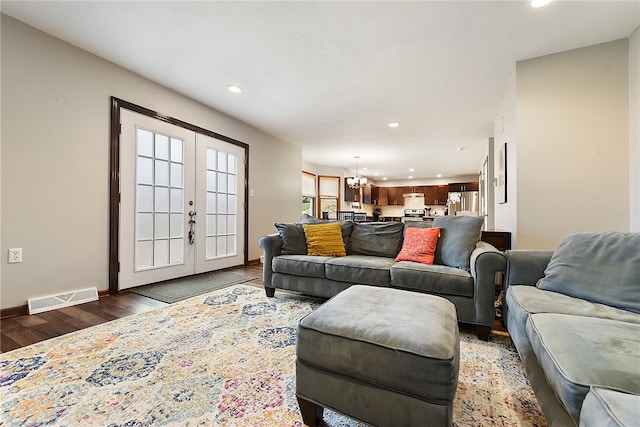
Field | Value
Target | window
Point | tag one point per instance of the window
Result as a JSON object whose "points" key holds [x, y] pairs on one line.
{"points": [[308, 193], [329, 194]]}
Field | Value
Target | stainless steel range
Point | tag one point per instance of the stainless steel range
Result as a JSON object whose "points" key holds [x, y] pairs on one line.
{"points": [[413, 215]]}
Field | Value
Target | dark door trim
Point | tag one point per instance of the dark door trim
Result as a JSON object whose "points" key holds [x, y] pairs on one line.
{"points": [[114, 179]]}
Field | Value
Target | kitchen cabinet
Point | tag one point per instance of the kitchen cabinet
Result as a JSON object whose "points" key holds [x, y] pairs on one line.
{"points": [[366, 194], [351, 194], [436, 194], [394, 196], [464, 186], [379, 195], [413, 189]]}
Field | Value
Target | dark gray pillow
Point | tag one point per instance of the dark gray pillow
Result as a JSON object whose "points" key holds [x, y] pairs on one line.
{"points": [[345, 226], [376, 238], [308, 219], [458, 238], [293, 241], [417, 224], [598, 267]]}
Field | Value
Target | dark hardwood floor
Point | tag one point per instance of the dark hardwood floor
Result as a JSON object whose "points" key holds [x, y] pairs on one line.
{"points": [[20, 331]]}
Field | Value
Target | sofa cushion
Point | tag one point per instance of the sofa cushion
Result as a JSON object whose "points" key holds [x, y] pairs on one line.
{"points": [[382, 239], [609, 408], [419, 245], [576, 352], [300, 265], [458, 238], [431, 279], [324, 239], [360, 269], [533, 300], [292, 236], [597, 267]]}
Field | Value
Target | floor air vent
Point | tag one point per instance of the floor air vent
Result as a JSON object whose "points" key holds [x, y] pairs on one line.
{"points": [[53, 302]]}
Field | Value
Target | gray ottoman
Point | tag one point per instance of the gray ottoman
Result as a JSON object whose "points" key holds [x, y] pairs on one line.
{"points": [[384, 356]]}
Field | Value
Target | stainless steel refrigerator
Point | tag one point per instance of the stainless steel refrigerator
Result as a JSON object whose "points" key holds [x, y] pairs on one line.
{"points": [[464, 203]]}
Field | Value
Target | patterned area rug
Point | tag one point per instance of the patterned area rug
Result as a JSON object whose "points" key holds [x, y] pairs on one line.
{"points": [[224, 358]]}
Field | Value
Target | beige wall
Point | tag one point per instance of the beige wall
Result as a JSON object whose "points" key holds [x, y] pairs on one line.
{"points": [[634, 130], [55, 162], [571, 165], [505, 217]]}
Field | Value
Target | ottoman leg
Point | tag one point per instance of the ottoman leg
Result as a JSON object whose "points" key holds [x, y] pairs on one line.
{"points": [[269, 291], [311, 413], [483, 332]]}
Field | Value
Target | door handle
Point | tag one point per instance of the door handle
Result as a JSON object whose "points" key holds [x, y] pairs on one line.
{"points": [[192, 227]]}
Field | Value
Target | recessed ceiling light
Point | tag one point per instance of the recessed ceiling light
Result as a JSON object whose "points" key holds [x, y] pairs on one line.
{"points": [[461, 148], [439, 175], [235, 89], [394, 125], [539, 3], [376, 174], [410, 177], [411, 169], [384, 178]]}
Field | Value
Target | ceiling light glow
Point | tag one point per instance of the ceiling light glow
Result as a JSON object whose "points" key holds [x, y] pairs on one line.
{"points": [[235, 89], [539, 3], [394, 125]]}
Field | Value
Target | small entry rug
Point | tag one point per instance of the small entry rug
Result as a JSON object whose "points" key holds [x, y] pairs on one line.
{"points": [[226, 358], [175, 290]]}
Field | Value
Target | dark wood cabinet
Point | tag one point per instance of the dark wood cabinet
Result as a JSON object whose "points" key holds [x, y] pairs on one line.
{"points": [[349, 193], [394, 196], [464, 186], [501, 240], [379, 196], [443, 195], [366, 194], [413, 189], [436, 194]]}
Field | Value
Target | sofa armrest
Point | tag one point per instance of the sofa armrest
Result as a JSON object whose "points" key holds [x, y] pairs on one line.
{"points": [[271, 245], [525, 267], [485, 262]]}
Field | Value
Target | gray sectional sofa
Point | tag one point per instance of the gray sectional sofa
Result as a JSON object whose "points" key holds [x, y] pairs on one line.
{"points": [[464, 270], [574, 316]]}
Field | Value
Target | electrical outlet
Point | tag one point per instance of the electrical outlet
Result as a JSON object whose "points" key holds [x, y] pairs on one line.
{"points": [[15, 255]]}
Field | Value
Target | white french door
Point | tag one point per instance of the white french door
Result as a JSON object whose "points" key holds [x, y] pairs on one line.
{"points": [[181, 203], [220, 200]]}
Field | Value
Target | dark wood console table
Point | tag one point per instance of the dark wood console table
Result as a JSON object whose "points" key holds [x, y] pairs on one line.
{"points": [[498, 238]]}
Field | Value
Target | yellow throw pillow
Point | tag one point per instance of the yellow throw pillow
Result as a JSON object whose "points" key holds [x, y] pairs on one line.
{"points": [[324, 239]]}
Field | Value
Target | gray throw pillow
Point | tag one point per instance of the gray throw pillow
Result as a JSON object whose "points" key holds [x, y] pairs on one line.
{"points": [[308, 219], [458, 238], [293, 241], [376, 238], [598, 267]]}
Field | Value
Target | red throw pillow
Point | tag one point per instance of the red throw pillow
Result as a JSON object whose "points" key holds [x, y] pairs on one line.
{"points": [[419, 245]]}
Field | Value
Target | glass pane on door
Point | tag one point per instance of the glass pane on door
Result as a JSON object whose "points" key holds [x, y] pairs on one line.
{"points": [[160, 215], [221, 240]]}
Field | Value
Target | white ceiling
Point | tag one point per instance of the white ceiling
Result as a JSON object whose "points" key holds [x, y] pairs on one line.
{"points": [[330, 76]]}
